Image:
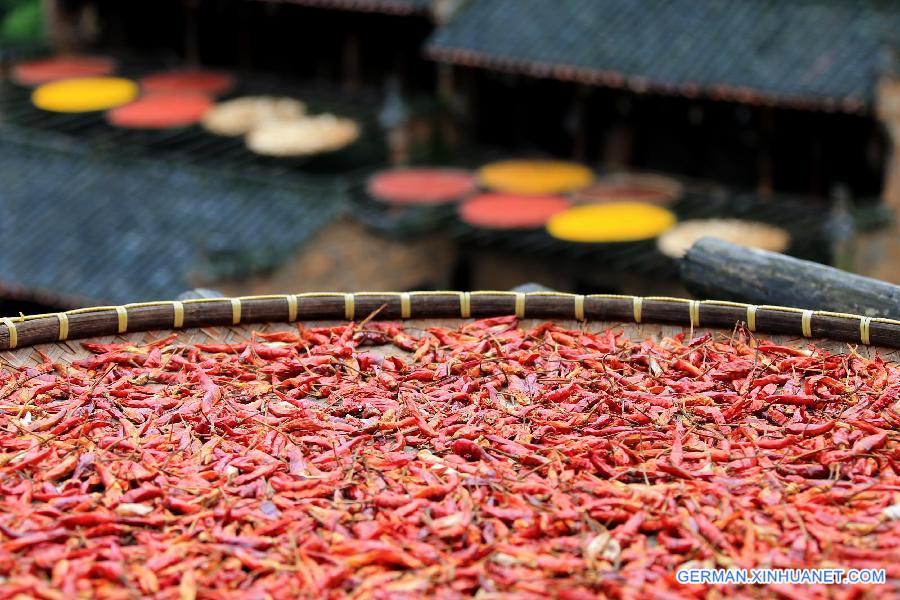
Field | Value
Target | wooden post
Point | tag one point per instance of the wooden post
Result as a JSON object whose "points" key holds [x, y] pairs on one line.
{"points": [[191, 33], [722, 271], [245, 39], [618, 149], [888, 110], [450, 120], [766, 167], [351, 75], [61, 26], [579, 117], [887, 107]]}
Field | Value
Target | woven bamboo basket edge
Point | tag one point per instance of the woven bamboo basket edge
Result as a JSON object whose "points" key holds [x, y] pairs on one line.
{"points": [[24, 331]]}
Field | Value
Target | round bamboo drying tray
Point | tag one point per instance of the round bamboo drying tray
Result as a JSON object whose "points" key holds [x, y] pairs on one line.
{"points": [[233, 319]]}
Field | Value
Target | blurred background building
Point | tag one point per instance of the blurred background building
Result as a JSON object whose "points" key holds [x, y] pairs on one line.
{"points": [[775, 111]]}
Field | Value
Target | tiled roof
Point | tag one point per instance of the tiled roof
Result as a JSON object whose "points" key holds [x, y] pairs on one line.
{"points": [[79, 227], [807, 53], [393, 7]]}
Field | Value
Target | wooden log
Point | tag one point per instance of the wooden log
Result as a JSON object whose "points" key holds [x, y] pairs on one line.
{"points": [[716, 269]]}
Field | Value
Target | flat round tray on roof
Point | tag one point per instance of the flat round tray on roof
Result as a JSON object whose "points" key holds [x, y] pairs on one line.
{"points": [[632, 187], [420, 186], [316, 135], [237, 116], [610, 223], [537, 177], [37, 72], [510, 211], [200, 81], [676, 241], [161, 111], [87, 94]]}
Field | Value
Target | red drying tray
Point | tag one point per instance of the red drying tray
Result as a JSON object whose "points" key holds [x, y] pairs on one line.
{"points": [[203, 81], [161, 111], [38, 72], [631, 187], [421, 186], [510, 211]]}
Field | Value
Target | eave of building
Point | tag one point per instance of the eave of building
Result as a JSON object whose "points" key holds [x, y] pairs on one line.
{"points": [[387, 7], [643, 85]]}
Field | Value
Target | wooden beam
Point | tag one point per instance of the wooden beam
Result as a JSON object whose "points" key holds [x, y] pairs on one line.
{"points": [[723, 271]]}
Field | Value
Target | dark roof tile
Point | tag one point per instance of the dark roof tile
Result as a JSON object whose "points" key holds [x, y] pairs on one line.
{"points": [[803, 52], [120, 230]]}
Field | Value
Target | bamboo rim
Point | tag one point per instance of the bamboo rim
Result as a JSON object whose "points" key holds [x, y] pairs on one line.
{"points": [[82, 323]]}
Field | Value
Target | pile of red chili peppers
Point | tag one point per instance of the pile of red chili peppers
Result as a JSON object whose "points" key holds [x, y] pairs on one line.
{"points": [[487, 460]]}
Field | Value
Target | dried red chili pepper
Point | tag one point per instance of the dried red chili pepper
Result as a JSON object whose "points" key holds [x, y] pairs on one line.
{"points": [[485, 460]]}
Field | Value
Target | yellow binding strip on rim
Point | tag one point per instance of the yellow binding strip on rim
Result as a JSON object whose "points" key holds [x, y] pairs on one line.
{"points": [[579, 307], [694, 311], [838, 315], [148, 304], [235, 311], [292, 307], [637, 306], [405, 305], [89, 310], [349, 307], [123, 318], [63, 326], [465, 305], [11, 331], [320, 295], [549, 294], [787, 309], [864, 324], [806, 323], [493, 293], [751, 317], [724, 303], [520, 305], [177, 314], [668, 299], [610, 296]]}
